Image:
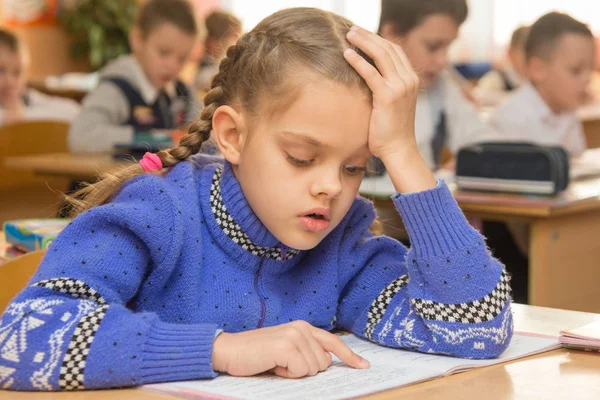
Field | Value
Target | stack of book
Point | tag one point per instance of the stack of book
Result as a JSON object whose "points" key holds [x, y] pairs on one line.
{"points": [[25, 235]]}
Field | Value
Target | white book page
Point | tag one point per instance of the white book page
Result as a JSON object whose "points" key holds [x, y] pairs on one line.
{"points": [[390, 368]]}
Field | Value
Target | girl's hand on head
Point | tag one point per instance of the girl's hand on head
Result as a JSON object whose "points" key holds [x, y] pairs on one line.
{"points": [[292, 350], [395, 87]]}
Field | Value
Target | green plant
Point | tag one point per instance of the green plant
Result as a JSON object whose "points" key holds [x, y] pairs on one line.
{"points": [[99, 28]]}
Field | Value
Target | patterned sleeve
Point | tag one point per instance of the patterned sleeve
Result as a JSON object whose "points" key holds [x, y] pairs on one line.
{"points": [[71, 329], [445, 295]]}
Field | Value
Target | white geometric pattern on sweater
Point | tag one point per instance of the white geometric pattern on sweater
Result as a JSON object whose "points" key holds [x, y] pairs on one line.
{"points": [[20, 318], [41, 378], [234, 231], [71, 374], [9, 351], [390, 319], [404, 336], [28, 315], [381, 303], [456, 336], [5, 373], [478, 311], [402, 331]]}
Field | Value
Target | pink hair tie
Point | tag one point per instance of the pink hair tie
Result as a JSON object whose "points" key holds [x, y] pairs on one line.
{"points": [[151, 162]]}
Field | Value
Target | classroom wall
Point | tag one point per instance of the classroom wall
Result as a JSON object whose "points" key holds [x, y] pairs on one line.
{"points": [[49, 49]]}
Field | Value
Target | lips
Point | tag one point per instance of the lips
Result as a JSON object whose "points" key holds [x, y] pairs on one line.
{"points": [[316, 220]]}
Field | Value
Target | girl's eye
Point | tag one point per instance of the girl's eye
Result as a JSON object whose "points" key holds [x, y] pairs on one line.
{"points": [[297, 162], [354, 169]]}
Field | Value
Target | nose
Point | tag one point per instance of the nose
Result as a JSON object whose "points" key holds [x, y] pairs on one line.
{"points": [[327, 183], [587, 78], [12, 81], [441, 58], [173, 65]]}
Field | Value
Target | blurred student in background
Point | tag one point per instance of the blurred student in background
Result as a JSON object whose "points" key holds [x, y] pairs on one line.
{"points": [[17, 102], [223, 30], [141, 92]]}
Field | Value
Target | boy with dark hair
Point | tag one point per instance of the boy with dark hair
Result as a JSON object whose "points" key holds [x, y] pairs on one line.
{"points": [[141, 92], [560, 54], [425, 29]]}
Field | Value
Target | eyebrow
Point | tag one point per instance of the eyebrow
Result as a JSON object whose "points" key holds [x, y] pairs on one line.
{"points": [[304, 137], [310, 140]]}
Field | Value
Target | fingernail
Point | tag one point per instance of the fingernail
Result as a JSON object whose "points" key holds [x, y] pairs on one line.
{"points": [[354, 28], [348, 52], [352, 34], [364, 363]]}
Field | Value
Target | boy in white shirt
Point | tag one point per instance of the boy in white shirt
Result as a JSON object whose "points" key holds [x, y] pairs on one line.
{"points": [[425, 29], [560, 53], [17, 103]]}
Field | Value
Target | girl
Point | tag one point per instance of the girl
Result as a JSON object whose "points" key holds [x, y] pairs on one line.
{"points": [[195, 265]]}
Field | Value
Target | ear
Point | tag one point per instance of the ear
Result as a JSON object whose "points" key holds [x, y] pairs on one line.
{"points": [[136, 39], [537, 69], [229, 132]]}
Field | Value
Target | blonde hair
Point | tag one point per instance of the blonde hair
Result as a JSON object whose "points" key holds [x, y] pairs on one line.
{"points": [[293, 40]]}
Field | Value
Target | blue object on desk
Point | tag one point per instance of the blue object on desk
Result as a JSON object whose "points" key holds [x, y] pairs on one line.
{"points": [[474, 70]]}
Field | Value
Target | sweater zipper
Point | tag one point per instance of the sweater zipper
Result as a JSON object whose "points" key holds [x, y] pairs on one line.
{"points": [[263, 304]]}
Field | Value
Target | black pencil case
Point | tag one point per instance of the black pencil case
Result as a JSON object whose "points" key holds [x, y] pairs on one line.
{"points": [[512, 167]]}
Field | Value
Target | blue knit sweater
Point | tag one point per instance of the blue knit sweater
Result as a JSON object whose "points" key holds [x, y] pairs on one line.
{"points": [[133, 292]]}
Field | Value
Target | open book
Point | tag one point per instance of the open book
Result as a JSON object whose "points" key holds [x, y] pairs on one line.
{"points": [[586, 337], [390, 368]]}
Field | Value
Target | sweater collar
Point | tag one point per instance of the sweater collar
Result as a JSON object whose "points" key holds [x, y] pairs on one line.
{"points": [[237, 220]]}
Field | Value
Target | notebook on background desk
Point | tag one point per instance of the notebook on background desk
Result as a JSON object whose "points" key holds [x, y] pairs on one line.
{"points": [[586, 337], [587, 165], [390, 368]]}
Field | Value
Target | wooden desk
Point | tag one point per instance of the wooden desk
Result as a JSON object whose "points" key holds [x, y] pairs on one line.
{"points": [[564, 233], [559, 374], [589, 115], [73, 94], [591, 128], [70, 165]]}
